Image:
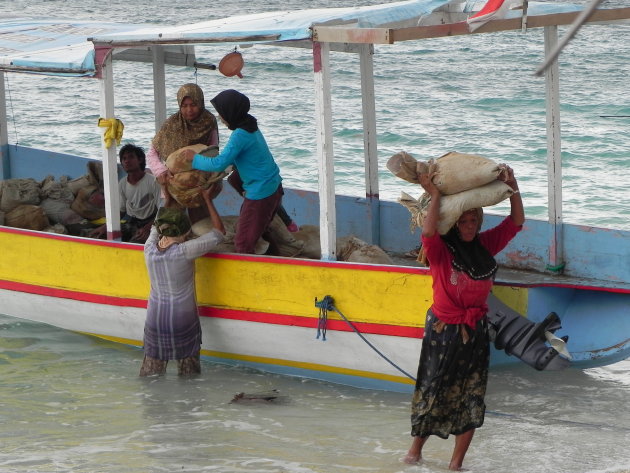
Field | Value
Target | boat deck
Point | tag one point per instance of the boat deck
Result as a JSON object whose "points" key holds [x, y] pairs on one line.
{"points": [[520, 277]]}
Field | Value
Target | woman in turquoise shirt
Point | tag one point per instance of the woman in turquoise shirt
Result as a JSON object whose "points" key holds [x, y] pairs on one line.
{"points": [[248, 152]]}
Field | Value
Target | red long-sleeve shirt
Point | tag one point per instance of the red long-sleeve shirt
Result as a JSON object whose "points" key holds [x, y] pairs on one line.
{"points": [[457, 298]]}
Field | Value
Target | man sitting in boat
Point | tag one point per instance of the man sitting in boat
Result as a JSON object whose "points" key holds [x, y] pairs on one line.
{"points": [[140, 196]]}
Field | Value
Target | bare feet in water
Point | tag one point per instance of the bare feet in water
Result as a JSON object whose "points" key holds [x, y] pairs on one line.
{"points": [[457, 468], [411, 459]]}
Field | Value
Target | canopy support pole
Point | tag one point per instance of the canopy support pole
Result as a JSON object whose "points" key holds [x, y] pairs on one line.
{"points": [[554, 154], [5, 170], [325, 155], [110, 165], [366, 53], [159, 88]]}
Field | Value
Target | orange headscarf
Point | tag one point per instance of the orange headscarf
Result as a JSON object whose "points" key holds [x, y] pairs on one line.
{"points": [[177, 132]]}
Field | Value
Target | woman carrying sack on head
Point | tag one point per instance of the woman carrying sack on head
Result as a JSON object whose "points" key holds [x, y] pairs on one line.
{"points": [[455, 354], [172, 330]]}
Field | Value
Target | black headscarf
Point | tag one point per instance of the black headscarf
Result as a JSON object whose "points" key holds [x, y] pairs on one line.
{"points": [[470, 257], [233, 108]]}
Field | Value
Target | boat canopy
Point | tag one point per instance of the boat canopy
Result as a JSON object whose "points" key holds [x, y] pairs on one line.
{"points": [[61, 47], [67, 47]]}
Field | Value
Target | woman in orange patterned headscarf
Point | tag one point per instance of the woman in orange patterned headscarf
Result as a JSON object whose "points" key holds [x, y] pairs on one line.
{"points": [[192, 124]]}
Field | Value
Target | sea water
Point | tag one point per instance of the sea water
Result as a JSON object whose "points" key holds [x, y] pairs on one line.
{"points": [[70, 402], [73, 403]]}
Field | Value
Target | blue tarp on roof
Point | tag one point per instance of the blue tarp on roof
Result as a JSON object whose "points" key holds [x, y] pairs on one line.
{"points": [[54, 45], [59, 46], [62, 46], [290, 25]]}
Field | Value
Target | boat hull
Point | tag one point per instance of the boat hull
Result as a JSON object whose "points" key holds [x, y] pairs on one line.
{"points": [[260, 311]]}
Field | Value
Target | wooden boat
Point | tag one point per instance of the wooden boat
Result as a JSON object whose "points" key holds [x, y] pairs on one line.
{"points": [[260, 311]]}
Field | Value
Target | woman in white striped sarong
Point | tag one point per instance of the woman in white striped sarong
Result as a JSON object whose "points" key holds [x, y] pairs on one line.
{"points": [[172, 330]]}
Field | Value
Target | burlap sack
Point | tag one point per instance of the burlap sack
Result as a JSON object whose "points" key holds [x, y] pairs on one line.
{"points": [[15, 192], [89, 203], [309, 234], [27, 216], [452, 206], [281, 241], [458, 172], [454, 172], [185, 184], [57, 190], [95, 173], [404, 166], [94, 178], [59, 211], [353, 249], [204, 225], [79, 183], [57, 197], [57, 228]]}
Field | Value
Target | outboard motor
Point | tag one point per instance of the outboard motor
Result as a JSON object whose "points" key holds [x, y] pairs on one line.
{"points": [[526, 340]]}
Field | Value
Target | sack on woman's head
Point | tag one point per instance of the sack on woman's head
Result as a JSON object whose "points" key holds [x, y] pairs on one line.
{"points": [[172, 222], [454, 172], [452, 206]]}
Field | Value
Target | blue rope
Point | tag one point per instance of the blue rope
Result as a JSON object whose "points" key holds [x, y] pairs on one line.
{"points": [[327, 304], [323, 316]]}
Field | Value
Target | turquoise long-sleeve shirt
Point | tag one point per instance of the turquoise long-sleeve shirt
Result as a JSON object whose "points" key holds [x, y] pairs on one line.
{"points": [[249, 153]]}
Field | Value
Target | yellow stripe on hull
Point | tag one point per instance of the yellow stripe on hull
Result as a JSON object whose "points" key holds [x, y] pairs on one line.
{"points": [[286, 287], [264, 285], [374, 296], [514, 297], [74, 264], [123, 341]]}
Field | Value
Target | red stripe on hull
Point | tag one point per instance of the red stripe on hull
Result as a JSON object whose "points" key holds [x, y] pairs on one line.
{"points": [[311, 322], [232, 314]]}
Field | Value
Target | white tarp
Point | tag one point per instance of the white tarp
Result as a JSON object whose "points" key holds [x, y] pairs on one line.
{"points": [[291, 25], [62, 46], [52, 45]]}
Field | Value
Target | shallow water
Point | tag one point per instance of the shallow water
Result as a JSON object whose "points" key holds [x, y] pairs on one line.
{"points": [[70, 402]]}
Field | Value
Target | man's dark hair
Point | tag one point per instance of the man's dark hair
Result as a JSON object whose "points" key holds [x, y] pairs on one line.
{"points": [[139, 152]]}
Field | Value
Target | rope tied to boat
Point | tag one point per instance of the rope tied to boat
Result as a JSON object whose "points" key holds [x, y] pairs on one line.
{"points": [[326, 304], [114, 131]]}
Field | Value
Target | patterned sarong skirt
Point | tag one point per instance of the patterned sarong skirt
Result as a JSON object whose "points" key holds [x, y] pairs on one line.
{"points": [[452, 379]]}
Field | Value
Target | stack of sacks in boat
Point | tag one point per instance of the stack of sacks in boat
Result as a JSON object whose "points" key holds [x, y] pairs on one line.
{"points": [[89, 198], [19, 204], [466, 181], [304, 243], [53, 205], [354, 250], [204, 225], [186, 181], [277, 241], [349, 248]]}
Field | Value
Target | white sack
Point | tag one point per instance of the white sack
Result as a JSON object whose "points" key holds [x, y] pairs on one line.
{"points": [[453, 206], [458, 172]]}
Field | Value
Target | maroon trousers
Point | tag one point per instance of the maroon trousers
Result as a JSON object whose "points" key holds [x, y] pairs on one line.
{"points": [[254, 218]]}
